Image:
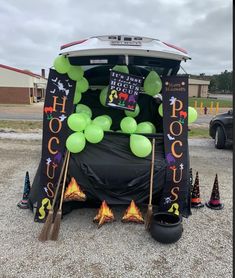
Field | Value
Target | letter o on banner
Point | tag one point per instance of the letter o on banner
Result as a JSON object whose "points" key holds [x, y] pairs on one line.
{"points": [[172, 128], [51, 125]]}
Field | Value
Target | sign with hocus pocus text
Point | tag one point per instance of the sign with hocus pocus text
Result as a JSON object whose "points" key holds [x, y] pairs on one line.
{"points": [[57, 107], [175, 126], [123, 90]]}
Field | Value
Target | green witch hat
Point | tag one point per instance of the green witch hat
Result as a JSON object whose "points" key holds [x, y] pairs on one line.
{"points": [[23, 204]]}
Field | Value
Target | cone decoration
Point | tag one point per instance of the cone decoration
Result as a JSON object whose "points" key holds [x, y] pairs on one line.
{"points": [[104, 215], [191, 178], [133, 214], [214, 202], [195, 197], [73, 192], [23, 204]]}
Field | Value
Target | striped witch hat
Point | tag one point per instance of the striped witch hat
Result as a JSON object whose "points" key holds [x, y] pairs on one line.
{"points": [[195, 195], [23, 204], [214, 202]]}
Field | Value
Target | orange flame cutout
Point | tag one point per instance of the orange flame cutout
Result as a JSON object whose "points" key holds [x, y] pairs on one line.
{"points": [[73, 192], [133, 214], [104, 215]]}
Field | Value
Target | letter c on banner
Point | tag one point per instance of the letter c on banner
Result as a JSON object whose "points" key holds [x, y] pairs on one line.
{"points": [[49, 144], [173, 149]]}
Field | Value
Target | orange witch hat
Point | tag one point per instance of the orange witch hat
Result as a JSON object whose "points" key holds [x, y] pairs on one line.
{"points": [[214, 202], [133, 214], [195, 195], [104, 215]]}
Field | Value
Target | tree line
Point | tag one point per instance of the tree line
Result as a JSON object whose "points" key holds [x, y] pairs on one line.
{"points": [[219, 83]]}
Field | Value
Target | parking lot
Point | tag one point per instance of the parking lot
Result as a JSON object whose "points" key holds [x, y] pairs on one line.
{"points": [[116, 249]]}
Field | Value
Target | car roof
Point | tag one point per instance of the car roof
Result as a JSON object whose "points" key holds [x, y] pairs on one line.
{"points": [[124, 45]]}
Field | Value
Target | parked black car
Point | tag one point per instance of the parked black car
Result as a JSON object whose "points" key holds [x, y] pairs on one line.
{"points": [[221, 129]]}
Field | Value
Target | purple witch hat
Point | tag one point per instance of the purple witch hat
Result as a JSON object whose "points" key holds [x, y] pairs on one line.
{"points": [[214, 202], [23, 204]]}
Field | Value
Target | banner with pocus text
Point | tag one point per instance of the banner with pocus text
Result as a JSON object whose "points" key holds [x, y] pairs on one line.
{"points": [[123, 90], [175, 126], [57, 108]]}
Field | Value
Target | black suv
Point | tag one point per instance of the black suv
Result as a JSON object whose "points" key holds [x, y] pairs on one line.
{"points": [[221, 127]]}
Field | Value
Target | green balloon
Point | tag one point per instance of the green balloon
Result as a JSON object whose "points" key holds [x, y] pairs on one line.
{"points": [[152, 84], [76, 142], [103, 122], [103, 95], [76, 122], [94, 133], [128, 125], [82, 85], [75, 73], [109, 118], [83, 108], [61, 64], [134, 113], [120, 68], [77, 97], [160, 111], [140, 145], [153, 127], [87, 118], [192, 114], [144, 127]]}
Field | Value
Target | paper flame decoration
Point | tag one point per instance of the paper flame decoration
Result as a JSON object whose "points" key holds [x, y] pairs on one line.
{"points": [[104, 215], [133, 214], [73, 192]]}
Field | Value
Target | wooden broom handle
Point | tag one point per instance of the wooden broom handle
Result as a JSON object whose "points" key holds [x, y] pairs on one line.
{"points": [[59, 180], [151, 173], [65, 175]]}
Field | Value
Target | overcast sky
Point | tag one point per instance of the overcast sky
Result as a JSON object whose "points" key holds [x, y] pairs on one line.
{"points": [[31, 32]]}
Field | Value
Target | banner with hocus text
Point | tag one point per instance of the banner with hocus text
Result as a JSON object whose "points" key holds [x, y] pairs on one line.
{"points": [[175, 126], [57, 108]]}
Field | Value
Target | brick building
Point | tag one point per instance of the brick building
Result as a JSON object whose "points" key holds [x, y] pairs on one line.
{"points": [[198, 87], [21, 86]]}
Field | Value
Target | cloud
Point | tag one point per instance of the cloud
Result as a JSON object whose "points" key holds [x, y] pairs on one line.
{"points": [[31, 33]]}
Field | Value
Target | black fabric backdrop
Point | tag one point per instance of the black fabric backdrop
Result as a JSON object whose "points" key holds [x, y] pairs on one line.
{"points": [[109, 170]]}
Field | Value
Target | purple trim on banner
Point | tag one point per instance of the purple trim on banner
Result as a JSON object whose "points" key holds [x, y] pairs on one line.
{"points": [[175, 125], [57, 107]]}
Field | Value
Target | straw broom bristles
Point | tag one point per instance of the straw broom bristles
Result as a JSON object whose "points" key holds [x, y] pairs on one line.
{"points": [[57, 221], [149, 214], [43, 236]]}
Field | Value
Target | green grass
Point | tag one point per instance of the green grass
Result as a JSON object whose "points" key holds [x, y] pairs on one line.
{"points": [[22, 125], [207, 102], [199, 133]]}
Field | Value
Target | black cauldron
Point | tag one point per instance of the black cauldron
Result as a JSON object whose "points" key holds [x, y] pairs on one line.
{"points": [[166, 227]]}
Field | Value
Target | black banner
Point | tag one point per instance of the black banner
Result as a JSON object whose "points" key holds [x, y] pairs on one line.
{"points": [[123, 90], [57, 107], [175, 126]]}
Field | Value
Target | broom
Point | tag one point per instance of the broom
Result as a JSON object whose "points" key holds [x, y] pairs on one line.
{"points": [[150, 207], [43, 236], [56, 225]]}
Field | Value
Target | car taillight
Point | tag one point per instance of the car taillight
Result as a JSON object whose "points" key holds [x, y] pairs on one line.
{"points": [[72, 43]]}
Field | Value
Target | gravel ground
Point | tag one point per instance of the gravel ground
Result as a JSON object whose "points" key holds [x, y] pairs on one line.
{"points": [[117, 249]]}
